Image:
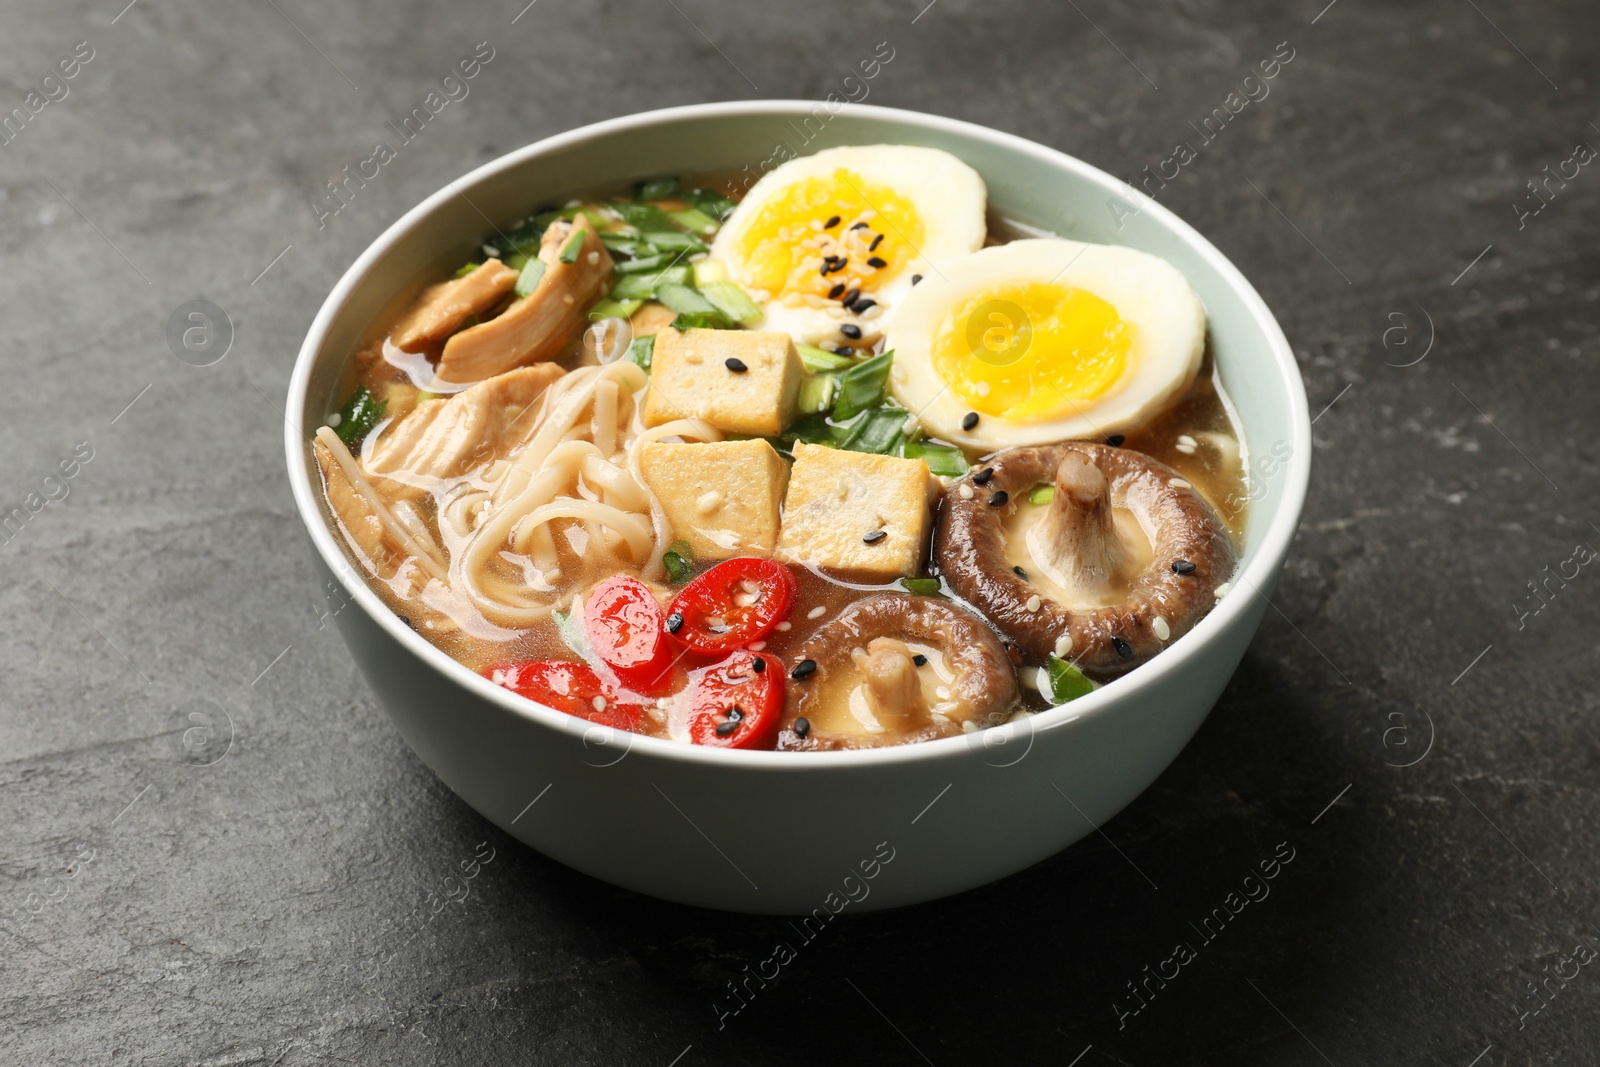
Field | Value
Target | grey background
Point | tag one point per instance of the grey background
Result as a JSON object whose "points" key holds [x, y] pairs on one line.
{"points": [[273, 907]]}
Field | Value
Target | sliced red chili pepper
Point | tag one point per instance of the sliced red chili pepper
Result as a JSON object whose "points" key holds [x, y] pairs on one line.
{"points": [[737, 703], [628, 632], [570, 687], [732, 604]]}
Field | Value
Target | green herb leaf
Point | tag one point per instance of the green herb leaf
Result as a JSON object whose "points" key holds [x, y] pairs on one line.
{"points": [[528, 280], [574, 246], [679, 562], [1066, 681], [921, 586], [655, 188], [466, 269], [1041, 494], [358, 416], [641, 216], [640, 349], [862, 386], [733, 302], [947, 461], [713, 204]]}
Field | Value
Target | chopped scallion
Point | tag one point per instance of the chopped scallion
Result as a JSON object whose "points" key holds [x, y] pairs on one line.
{"points": [[695, 221], [820, 359], [613, 309], [673, 241], [574, 246], [1066, 681], [1041, 494], [947, 461], [701, 320], [640, 349], [466, 269], [655, 188], [733, 302], [679, 562], [532, 274], [816, 394], [640, 266], [641, 216], [876, 431], [921, 586], [682, 299], [862, 386], [358, 416]]}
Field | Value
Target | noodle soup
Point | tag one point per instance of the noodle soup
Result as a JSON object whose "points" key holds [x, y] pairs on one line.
{"points": [[841, 462]]}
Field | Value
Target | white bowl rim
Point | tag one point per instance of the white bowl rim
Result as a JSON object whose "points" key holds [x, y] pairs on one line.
{"points": [[1262, 559]]}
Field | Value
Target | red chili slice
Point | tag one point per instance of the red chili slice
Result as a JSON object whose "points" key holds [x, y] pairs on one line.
{"points": [[628, 632], [569, 687], [714, 617], [737, 703]]}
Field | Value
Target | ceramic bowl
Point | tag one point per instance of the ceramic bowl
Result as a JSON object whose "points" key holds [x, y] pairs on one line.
{"points": [[797, 833]]}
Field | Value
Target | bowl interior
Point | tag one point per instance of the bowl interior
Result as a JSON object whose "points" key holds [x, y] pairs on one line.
{"points": [[1026, 182]]}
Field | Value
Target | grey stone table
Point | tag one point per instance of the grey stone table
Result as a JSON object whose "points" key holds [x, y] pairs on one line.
{"points": [[1414, 725]]}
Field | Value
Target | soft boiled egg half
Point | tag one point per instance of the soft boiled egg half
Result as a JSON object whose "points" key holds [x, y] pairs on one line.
{"points": [[1045, 340], [829, 244]]}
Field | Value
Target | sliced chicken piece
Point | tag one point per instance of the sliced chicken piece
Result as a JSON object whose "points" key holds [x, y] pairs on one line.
{"points": [[445, 438], [375, 548], [444, 308], [540, 325]]}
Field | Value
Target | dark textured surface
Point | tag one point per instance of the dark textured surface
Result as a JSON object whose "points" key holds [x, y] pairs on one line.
{"points": [[273, 908]]}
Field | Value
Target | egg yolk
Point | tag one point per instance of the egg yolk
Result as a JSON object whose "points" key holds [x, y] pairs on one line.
{"points": [[787, 247], [1031, 351]]}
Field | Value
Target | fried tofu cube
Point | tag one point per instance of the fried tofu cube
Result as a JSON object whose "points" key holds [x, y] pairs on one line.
{"points": [[722, 497], [690, 378], [839, 503]]}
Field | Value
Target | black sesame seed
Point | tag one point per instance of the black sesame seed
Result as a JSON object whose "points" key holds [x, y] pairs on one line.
{"points": [[1115, 440], [726, 728], [833, 220], [851, 297], [915, 278], [802, 725], [1020, 573], [851, 330], [843, 350], [861, 304], [674, 622], [1124, 649], [874, 537], [969, 420], [998, 498], [758, 664], [876, 241], [878, 262], [836, 292], [983, 476], [735, 364], [859, 226], [1182, 566], [920, 660], [804, 669], [842, 263]]}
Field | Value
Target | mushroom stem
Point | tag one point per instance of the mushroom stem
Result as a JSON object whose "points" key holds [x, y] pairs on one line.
{"points": [[1076, 544], [889, 679]]}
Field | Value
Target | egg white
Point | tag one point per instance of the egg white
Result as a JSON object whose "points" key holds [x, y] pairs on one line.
{"points": [[948, 196], [1168, 338]]}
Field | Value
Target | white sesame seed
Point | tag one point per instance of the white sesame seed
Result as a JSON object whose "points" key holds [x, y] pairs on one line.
{"points": [[1179, 483], [708, 502], [593, 257], [1159, 625], [1064, 645], [817, 612], [1034, 602], [783, 627], [943, 692], [335, 419], [599, 703], [757, 646], [1185, 441], [1223, 590], [1187, 450], [968, 726], [966, 490]]}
